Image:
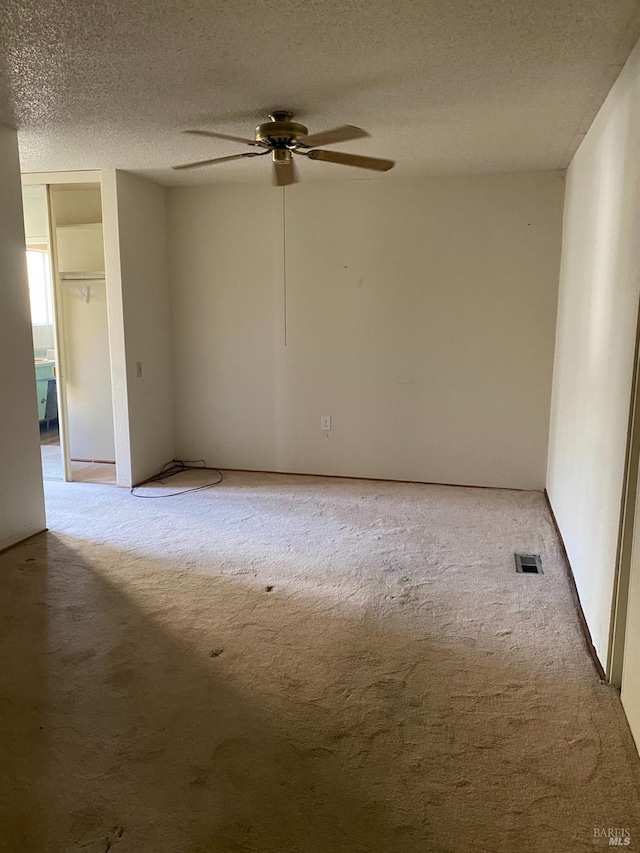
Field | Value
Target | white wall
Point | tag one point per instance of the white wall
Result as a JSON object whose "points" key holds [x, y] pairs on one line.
{"points": [[420, 315], [88, 374], [22, 504], [136, 264], [76, 204], [34, 201], [43, 337], [595, 344]]}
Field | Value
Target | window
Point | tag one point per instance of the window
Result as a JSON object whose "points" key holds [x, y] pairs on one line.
{"points": [[39, 287]]}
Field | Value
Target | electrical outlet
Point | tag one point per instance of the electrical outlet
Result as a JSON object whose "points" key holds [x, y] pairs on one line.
{"points": [[138, 369], [325, 422]]}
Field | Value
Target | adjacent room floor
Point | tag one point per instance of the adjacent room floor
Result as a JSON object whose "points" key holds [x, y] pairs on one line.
{"points": [[82, 472], [290, 664]]}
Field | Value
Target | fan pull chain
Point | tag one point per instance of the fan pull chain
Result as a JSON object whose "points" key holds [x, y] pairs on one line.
{"points": [[284, 261]]}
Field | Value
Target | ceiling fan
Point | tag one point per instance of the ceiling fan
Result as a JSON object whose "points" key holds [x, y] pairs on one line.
{"points": [[282, 138]]}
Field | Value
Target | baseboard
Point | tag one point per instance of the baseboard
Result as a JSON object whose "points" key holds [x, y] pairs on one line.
{"points": [[576, 597], [366, 479], [8, 544]]}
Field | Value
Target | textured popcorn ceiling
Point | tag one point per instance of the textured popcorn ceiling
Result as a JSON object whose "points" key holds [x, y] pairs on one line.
{"points": [[443, 85]]}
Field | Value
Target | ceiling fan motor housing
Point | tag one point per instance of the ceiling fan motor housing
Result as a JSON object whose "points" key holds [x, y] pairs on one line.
{"points": [[280, 133], [282, 138]]}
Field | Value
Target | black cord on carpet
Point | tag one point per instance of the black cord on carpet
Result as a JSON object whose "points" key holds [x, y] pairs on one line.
{"points": [[170, 469]]}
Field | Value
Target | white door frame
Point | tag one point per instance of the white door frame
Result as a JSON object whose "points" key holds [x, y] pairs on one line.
{"points": [[629, 530]]}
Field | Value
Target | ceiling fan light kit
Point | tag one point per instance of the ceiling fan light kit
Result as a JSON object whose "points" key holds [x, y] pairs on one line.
{"points": [[282, 138]]}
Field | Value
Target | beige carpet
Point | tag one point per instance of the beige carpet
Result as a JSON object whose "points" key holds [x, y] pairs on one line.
{"points": [[301, 665]]}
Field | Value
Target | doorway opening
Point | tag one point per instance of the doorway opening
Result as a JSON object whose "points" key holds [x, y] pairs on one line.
{"points": [[67, 285], [41, 298]]}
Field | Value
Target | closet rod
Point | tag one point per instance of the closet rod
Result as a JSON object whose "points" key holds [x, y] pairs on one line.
{"points": [[79, 277]]}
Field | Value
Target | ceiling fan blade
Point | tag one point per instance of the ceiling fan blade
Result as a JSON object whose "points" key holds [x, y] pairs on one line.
{"points": [[219, 160], [284, 173], [376, 163], [336, 134], [226, 136]]}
